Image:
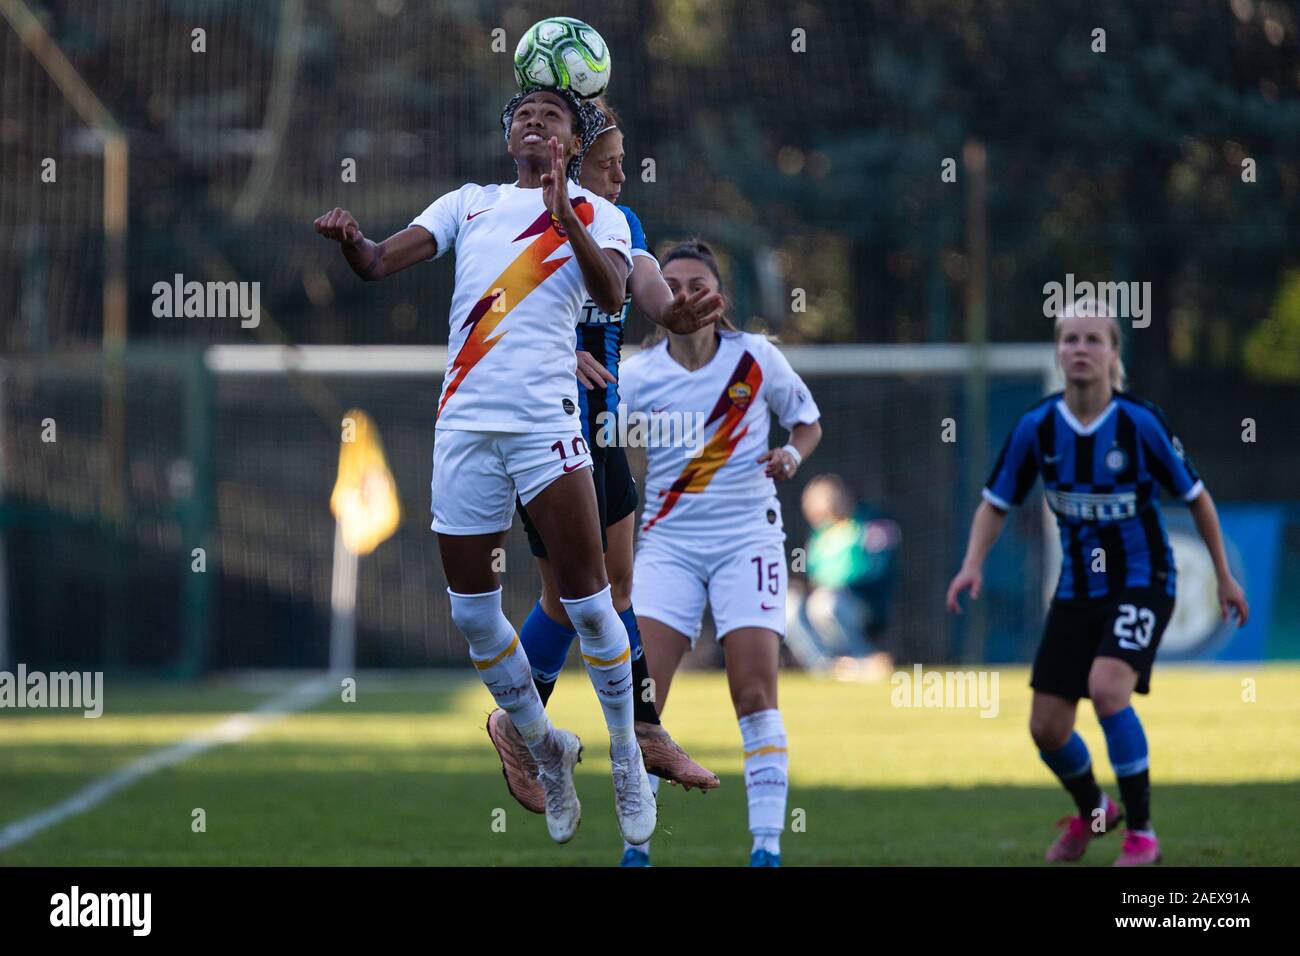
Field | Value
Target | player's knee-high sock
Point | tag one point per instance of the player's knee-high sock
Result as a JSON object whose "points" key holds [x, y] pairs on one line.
{"points": [[1072, 765], [606, 653], [1127, 744], [546, 642], [501, 663], [766, 776], [643, 703], [644, 847]]}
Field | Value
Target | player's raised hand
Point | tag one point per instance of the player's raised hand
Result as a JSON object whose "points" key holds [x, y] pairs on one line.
{"points": [[1232, 597], [781, 465], [555, 188], [591, 373], [338, 224], [966, 578], [684, 314]]}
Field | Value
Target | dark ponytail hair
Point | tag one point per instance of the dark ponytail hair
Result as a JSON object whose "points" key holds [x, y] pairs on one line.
{"points": [[698, 250]]}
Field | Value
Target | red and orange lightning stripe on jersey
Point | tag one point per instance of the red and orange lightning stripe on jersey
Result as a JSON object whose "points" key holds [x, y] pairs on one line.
{"points": [[742, 386], [529, 270]]}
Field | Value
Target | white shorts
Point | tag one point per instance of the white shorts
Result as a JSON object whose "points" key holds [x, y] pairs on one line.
{"points": [[744, 584], [477, 474]]}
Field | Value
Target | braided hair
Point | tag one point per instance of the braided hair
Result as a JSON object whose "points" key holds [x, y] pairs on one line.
{"points": [[588, 117]]}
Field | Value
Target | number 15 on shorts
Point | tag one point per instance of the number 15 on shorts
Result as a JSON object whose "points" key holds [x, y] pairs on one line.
{"points": [[767, 575]]}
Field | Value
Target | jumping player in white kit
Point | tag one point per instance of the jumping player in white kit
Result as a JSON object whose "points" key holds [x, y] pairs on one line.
{"points": [[528, 254], [711, 529]]}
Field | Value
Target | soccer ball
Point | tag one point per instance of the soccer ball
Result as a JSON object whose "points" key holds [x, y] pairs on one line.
{"points": [[563, 53]]}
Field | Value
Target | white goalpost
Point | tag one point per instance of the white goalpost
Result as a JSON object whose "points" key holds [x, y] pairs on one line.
{"points": [[883, 405]]}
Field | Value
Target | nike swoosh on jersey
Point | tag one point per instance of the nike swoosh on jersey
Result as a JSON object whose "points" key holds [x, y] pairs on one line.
{"points": [[696, 476], [529, 270], [479, 213]]}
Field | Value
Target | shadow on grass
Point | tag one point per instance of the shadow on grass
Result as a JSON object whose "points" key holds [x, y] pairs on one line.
{"points": [[346, 787], [433, 817]]}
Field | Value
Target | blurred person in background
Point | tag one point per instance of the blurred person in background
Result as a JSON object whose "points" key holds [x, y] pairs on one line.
{"points": [[835, 624]]}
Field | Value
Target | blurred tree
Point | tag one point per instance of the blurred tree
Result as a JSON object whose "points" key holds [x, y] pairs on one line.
{"points": [[1272, 351], [1172, 157]]}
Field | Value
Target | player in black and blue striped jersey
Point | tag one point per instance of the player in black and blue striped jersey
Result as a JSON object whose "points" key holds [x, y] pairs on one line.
{"points": [[547, 633], [1101, 452], [601, 337]]}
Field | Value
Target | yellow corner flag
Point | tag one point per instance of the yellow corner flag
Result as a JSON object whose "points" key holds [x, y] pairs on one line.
{"points": [[364, 500]]}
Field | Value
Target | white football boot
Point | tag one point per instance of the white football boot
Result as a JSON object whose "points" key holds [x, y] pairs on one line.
{"points": [[555, 773], [634, 801]]}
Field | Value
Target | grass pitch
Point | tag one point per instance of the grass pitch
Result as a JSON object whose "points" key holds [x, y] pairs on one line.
{"points": [[406, 775]]}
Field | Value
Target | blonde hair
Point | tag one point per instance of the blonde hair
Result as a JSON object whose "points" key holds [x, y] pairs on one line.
{"points": [[1088, 307], [612, 119]]}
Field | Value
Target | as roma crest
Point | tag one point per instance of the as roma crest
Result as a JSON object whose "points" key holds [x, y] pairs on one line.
{"points": [[740, 393]]}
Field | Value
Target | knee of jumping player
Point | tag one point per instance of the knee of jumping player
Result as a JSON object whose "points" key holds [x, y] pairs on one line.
{"points": [[594, 619], [751, 698], [476, 614], [553, 607], [620, 587]]}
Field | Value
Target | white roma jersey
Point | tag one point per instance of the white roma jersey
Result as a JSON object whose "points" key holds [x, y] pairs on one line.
{"points": [[511, 365], [720, 490]]}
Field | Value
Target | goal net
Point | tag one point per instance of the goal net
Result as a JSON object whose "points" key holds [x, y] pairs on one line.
{"points": [[169, 512]]}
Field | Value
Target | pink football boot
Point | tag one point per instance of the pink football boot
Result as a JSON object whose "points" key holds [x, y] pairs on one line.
{"points": [[1140, 848], [1072, 843]]}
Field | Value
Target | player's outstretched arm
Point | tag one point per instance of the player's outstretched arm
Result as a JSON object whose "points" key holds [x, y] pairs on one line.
{"points": [[984, 532], [375, 260], [1231, 596], [654, 300]]}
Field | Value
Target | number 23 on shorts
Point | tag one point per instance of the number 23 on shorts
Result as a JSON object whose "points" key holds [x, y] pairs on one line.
{"points": [[1134, 627]]}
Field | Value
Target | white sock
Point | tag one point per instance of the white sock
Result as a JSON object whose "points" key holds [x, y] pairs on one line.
{"points": [[501, 663], [644, 847], [766, 776], [608, 656]]}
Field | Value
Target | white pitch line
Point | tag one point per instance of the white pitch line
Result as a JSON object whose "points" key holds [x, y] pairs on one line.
{"points": [[234, 728]]}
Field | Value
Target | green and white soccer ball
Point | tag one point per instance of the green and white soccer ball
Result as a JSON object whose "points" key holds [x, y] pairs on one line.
{"points": [[563, 53]]}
